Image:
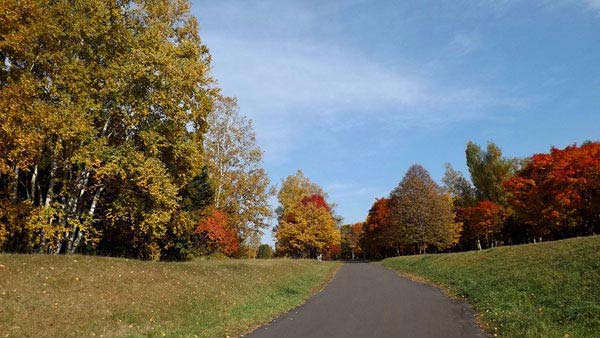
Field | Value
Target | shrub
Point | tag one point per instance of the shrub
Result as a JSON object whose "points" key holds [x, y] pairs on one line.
{"points": [[264, 252]]}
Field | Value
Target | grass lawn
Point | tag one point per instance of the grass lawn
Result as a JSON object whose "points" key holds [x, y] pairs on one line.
{"points": [[84, 296], [538, 290]]}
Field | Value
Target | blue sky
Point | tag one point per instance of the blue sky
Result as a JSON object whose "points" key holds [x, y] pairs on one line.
{"points": [[354, 92]]}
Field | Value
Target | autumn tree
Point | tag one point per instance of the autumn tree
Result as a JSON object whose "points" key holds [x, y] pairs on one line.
{"points": [[307, 230], [351, 240], [421, 215], [374, 242], [241, 186], [557, 195], [481, 225], [307, 226], [295, 188], [102, 116], [215, 234]]}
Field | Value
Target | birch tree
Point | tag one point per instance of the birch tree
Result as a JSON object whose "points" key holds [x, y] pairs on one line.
{"points": [[103, 108], [241, 186]]}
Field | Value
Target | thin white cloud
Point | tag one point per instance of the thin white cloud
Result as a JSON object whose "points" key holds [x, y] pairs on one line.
{"points": [[289, 80], [593, 4], [463, 44], [286, 77]]}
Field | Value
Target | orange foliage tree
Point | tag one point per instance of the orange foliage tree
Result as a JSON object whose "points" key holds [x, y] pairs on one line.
{"points": [[481, 224], [216, 235], [373, 241], [557, 195], [351, 241]]}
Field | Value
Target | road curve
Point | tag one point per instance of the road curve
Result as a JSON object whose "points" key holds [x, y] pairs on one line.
{"points": [[367, 300]]}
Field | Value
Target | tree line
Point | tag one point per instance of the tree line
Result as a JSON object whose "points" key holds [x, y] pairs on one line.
{"points": [[506, 201], [116, 140]]}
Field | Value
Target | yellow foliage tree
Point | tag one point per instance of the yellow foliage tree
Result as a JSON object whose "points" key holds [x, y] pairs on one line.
{"points": [[294, 188], [307, 229], [103, 108]]}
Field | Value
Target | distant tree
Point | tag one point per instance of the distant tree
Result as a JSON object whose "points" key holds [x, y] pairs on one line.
{"points": [[332, 252], [489, 170], [264, 252], [351, 240], [481, 225], [241, 186], [374, 242], [421, 215], [295, 188], [557, 195], [307, 229], [461, 190]]}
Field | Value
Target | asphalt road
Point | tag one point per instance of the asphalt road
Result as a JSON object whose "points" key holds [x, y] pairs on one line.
{"points": [[367, 300]]}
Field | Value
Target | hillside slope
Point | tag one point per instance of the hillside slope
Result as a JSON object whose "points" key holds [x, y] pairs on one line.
{"points": [[83, 296], [538, 290]]}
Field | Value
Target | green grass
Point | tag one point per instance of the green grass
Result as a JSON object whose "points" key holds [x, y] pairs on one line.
{"points": [[538, 290], [84, 296]]}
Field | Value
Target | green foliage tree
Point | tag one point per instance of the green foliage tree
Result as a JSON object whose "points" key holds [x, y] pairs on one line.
{"points": [[489, 170], [461, 190], [264, 252], [421, 215]]}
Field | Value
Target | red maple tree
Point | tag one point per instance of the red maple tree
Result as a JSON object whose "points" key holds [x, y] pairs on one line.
{"points": [[374, 241], [216, 234], [481, 224], [558, 194], [316, 200]]}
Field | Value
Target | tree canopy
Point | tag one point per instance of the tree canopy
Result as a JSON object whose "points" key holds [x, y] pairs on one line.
{"points": [[242, 187], [489, 170], [557, 194], [421, 215], [307, 227], [105, 111]]}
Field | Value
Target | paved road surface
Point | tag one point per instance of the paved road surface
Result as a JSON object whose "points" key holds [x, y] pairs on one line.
{"points": [[369, 301]]}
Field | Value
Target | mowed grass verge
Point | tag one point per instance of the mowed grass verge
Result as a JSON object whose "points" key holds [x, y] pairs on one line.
{"points": [[84, 296], [538, 290]]}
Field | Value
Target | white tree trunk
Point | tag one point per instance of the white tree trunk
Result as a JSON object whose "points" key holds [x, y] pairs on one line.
{"points": [[95, 201], [50, 191], [34, 182]]}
